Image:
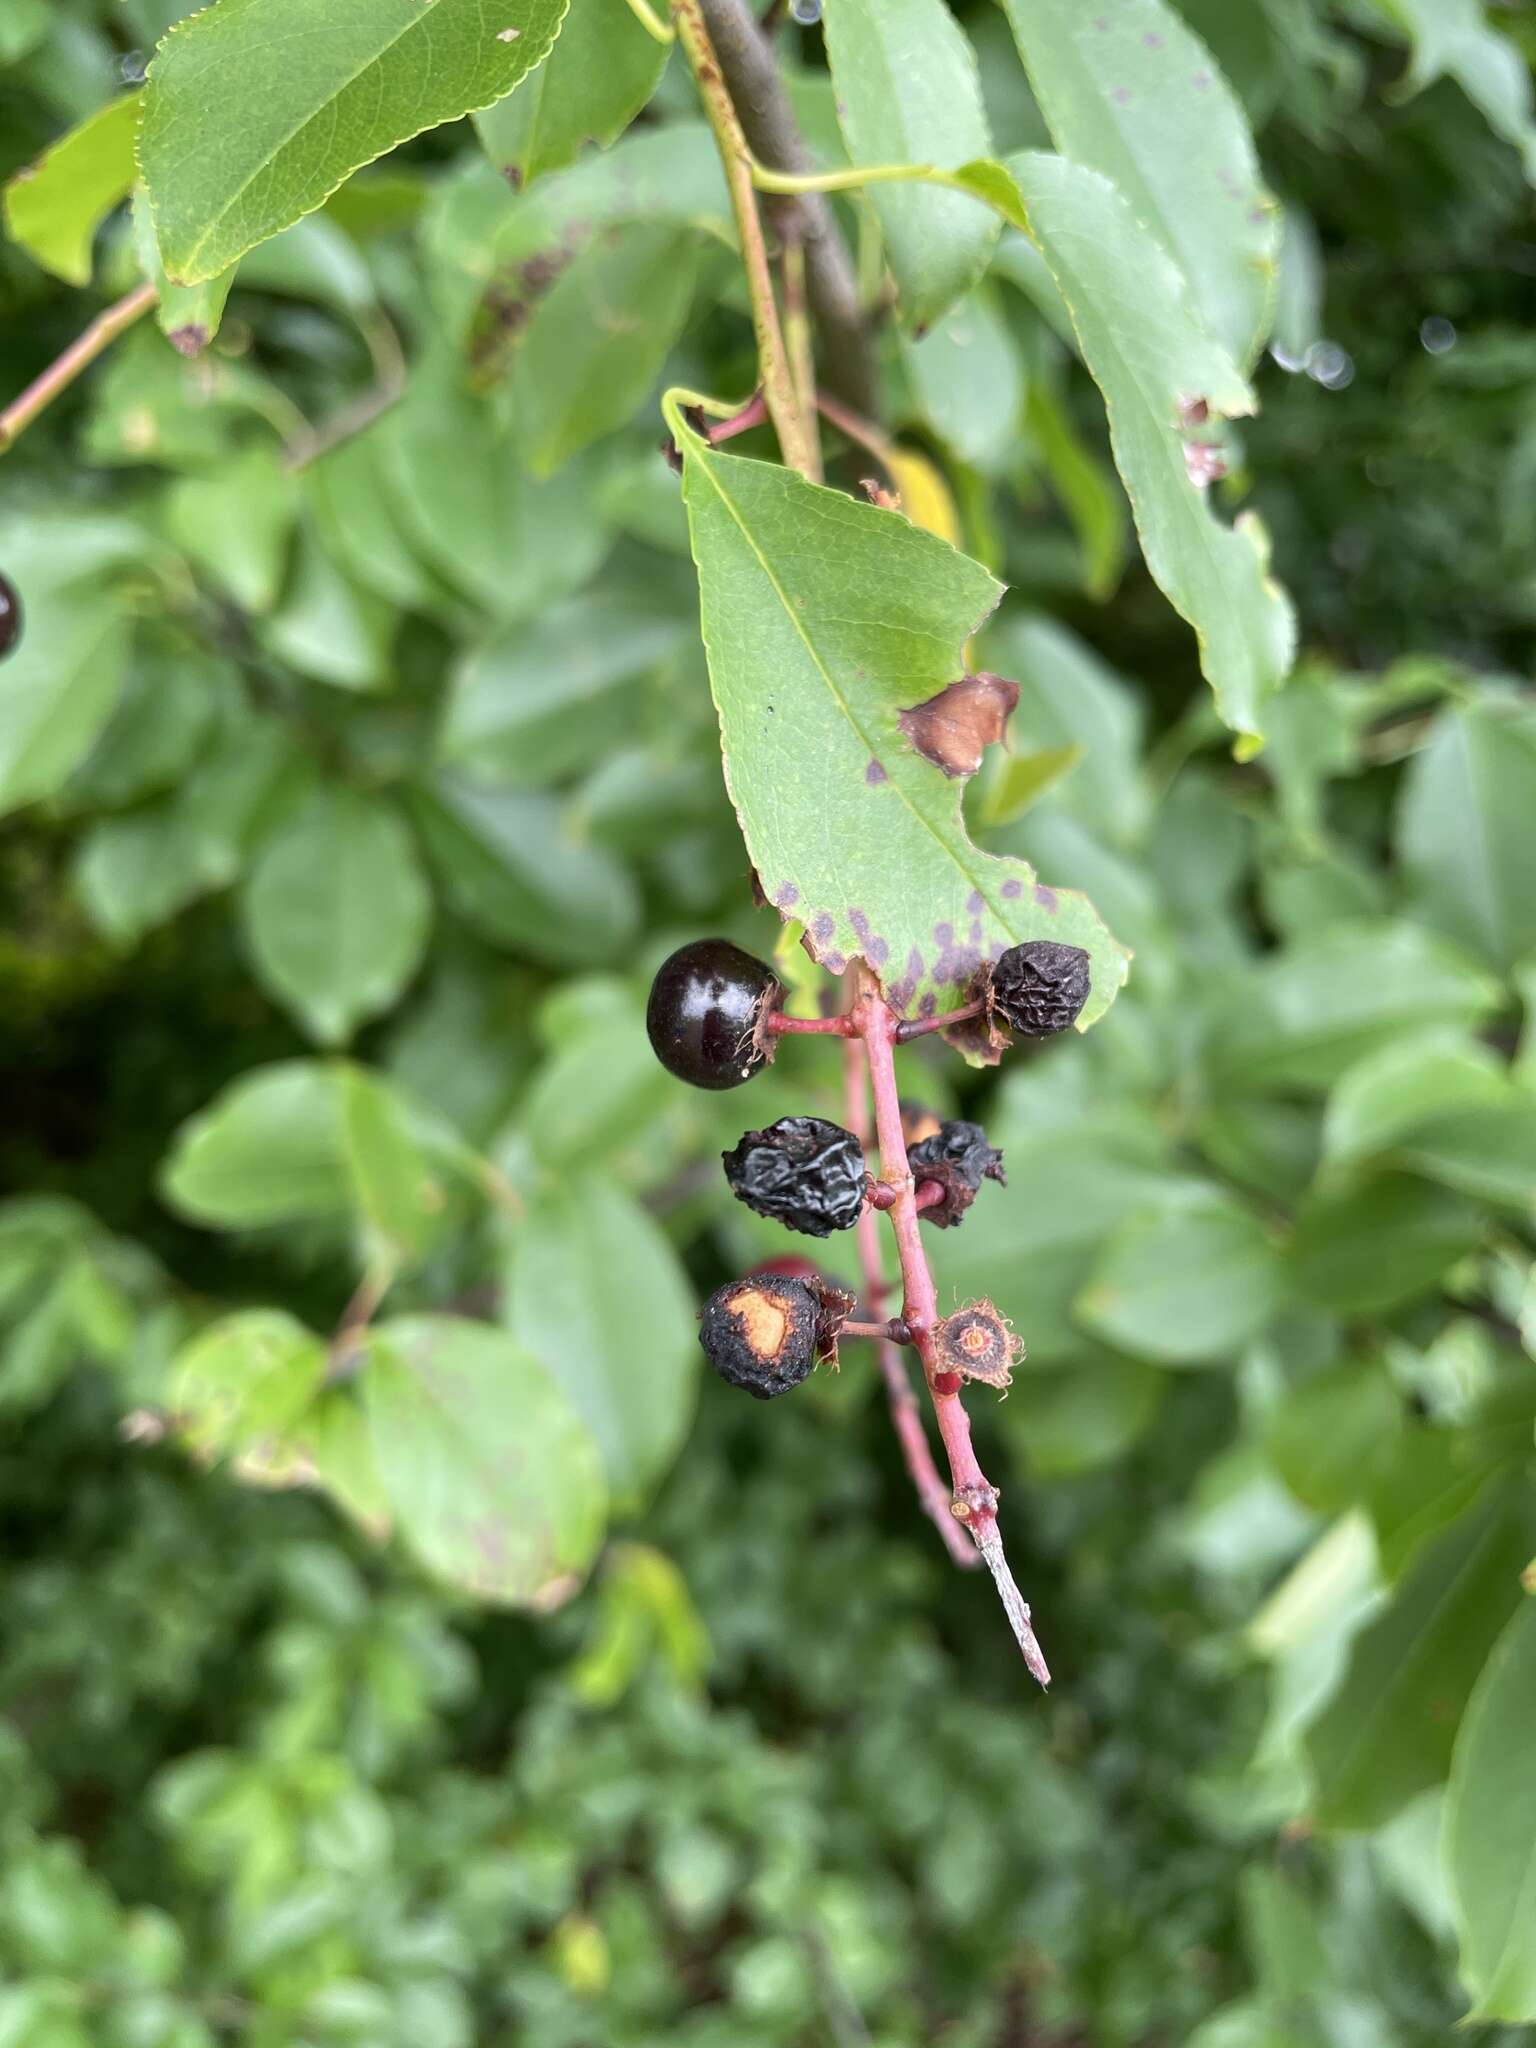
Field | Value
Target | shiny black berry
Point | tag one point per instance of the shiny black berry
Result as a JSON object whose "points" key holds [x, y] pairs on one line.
{"points": [[10, 617], [1040, 987], [708, 1012], [957, 1158], [801, 1171]]}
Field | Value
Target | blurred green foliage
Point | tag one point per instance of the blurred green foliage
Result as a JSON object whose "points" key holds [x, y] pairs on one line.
{"points": [[391, 739]]}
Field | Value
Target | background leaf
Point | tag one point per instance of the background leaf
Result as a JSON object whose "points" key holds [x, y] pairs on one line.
{"points": [[602, 70], [1490, 1830], [54, 207]]}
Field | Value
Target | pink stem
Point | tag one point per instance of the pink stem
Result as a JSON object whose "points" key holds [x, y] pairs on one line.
{"points": [[887, 1331], [906, 1416], [753, 414], [832, 1027], [919, 1027], [975, 1498]]}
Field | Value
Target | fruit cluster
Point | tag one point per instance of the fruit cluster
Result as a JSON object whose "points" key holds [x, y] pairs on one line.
{"points": [[713, 1020]]}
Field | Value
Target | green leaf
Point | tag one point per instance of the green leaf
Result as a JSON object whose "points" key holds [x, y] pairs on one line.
{"points": [[54, 207], [1188, 1286], [245, 1383], [602, 70], [187, 315], [593, 348], [1157, 366], [61, 679], [491, 1476], [1449, 1111], [1388, 1731], [511, 868], [908, 92], [1305, 1015], [234, 524], [597, 1295], [318, 96], [327, 627], [968, 383], [1490, 1830], [1464, 825], [302, 1140], [543, 699], [1083, 1416], [1453, 39], [1127, 89], [601, 1087], [338, 911], [1371, 1247], [810, 693]]}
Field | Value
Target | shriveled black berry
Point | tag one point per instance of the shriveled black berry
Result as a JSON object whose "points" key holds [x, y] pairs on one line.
{"points": [[802, 1171], [1041, 986], [10, 616], [958, 1158], [708, 1012], [762, 1333]]}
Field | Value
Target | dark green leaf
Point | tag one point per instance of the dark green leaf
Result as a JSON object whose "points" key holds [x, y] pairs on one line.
{"points": [[601, 72], [1490, 1830], [1370, 1247], [1464, 827]]}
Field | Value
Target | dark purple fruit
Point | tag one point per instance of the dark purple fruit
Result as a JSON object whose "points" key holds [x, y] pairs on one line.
{"points": [[1040, 987], [708, 1013], [10, 617], [958, 1158], [801, 1171]]}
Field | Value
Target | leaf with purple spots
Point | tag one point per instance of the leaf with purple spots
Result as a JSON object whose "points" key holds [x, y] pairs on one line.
{"points": [[843, 616]]}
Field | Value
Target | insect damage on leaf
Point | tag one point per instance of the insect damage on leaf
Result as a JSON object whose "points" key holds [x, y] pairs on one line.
{"points": [[953, 729]]}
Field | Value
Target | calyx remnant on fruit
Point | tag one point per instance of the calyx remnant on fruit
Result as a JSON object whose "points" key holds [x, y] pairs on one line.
{"points": [[801, 1171], [958, 1159], [1040, 987], [708, 1013], [976, 1344], [767, 1332]]}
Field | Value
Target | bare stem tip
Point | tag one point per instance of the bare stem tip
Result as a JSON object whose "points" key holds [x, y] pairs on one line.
{"points": [[1014, 1604]]}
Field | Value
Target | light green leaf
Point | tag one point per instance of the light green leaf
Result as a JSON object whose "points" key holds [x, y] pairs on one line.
{"points": [[1188, 1286], [810, 692], [1464, 826], [54, 207], [1371, 1247], [1023, 780], [544, 698], [327, 627], [968, 382], [245, 1383], [301, 1140], [1081, 1417], [1449, 1111], [234, 524], [1128, 89], [600, 1087], [597, 1295], [337, 911], [1490, 1830], [1306, 1014], [602, 70], [1388, 1731], [187, 315], [319, 93], [1453, 39], [1157, 368], [491, 1476], [908, 92], [593, 348], [61, 679], [508, 863]]}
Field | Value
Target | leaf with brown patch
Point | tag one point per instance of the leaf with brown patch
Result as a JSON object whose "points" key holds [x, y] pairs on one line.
{"points": [[953, 729]]}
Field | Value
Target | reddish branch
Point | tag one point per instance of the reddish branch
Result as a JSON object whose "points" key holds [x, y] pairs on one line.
{"points": [[906, 1416], [973, 1501]]}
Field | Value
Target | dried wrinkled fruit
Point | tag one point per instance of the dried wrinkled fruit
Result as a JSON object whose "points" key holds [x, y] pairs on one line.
{"points": [[1041, 986], [958, 1158], [803, 1172], [761, 1333], [976, 1343], [952, 729], [708, 1012]]}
